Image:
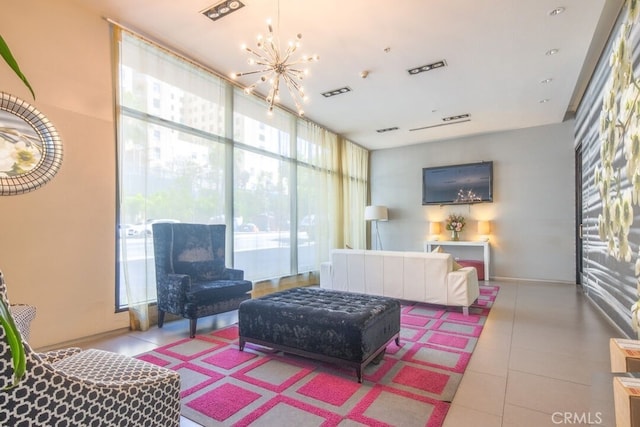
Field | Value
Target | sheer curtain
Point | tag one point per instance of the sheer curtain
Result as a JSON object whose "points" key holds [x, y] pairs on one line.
{"points": [[318, 195], [355, 167], [171, 162], [193, 148]]}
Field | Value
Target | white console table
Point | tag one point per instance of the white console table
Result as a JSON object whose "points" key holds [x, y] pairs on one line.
{"points": [[486, 253]]}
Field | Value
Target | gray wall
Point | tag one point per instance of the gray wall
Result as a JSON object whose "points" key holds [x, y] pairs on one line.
{"points": [[532, 216]]}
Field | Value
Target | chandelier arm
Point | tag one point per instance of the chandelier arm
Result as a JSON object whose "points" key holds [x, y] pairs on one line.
{"points": [[291, 82], [275, 90], [302, 60], [298, 73], [247, 73], [248, 49], [295, 97], [271, 51], [290, 50]]}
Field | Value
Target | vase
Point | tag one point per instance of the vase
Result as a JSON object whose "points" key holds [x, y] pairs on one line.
{"points": [[455, 235]]}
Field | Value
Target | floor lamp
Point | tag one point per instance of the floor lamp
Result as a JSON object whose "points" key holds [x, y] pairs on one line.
{"points": [[376, 213]]}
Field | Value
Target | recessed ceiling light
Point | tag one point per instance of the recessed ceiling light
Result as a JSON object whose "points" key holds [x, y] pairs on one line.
{"points": [[334, 92], [221, 9], [552, 52], [427, 67], [557, 11], [544, 101], [545, 81]]}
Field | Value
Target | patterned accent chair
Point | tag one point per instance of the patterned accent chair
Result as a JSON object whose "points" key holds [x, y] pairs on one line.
{"points": [[72, 387], [191, 278]]}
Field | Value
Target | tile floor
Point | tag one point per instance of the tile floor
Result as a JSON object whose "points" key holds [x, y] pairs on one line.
{"points": [[543, 356]]}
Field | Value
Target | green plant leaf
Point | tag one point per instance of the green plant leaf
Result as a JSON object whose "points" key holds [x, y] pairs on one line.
{"points": [[15, 343], [5, 52]]}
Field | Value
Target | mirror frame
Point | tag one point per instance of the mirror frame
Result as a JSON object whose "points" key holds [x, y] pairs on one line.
{"points": [[46, 139]]}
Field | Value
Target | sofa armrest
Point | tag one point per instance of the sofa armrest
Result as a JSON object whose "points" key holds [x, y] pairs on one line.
{"points": [[233, 274], [172, 292], [101, 368], [57, 355], [462, 287], [326, 275]]}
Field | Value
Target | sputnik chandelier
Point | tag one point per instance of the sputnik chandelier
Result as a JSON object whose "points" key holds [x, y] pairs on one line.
{"points": [[278, 66]]}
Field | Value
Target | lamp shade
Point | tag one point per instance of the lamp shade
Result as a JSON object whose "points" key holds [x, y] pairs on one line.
{"points": [[376, 213], [484, 227], [434, 228]]}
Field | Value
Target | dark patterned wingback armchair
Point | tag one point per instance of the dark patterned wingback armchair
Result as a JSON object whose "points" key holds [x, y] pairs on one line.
{"points": [[191, 278], [74, 387]]}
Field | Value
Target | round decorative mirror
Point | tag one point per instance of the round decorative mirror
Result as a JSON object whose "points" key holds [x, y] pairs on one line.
{"points": [[30, 147]]}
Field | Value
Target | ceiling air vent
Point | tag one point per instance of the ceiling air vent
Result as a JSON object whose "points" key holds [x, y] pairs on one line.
{"points": [[428, 67], [387, 129], [452, 120], [340, 91], [222, 9], [458, 117]]}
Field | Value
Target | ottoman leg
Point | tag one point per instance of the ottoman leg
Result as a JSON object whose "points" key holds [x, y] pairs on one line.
{"points": [[241, 344], [359, 373]]}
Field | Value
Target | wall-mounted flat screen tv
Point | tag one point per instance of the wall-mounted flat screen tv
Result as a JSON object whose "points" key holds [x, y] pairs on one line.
{"points": [[458, 184]]}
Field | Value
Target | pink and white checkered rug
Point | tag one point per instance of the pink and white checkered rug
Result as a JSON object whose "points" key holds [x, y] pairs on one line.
{"points": [[412, 386]]}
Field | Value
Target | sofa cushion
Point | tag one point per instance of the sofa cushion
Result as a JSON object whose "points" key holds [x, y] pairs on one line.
{"points": [[439, 250], [217, 290], [201, 271]]}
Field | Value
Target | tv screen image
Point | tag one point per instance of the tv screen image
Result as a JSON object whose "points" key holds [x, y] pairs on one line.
{"points": [[457, 184]]}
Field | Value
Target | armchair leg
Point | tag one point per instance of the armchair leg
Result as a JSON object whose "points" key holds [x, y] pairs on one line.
{"points": [[160, 318], [192, 327]]}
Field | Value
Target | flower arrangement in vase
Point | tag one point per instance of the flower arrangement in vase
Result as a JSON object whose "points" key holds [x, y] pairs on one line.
{"points": [[455, 224]]}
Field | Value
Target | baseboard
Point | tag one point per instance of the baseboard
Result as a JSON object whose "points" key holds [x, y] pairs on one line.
{"points": [[523, 279], [79, 342]]}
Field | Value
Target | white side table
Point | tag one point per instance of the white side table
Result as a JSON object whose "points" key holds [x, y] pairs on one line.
{"points": [[486, 252]]}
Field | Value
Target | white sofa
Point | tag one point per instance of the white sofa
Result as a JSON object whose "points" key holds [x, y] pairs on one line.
{"points": [[413, 276]]}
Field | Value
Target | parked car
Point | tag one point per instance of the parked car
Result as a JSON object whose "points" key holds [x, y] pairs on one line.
{"points": [[250, 227], [308, 226], [144, 229]]}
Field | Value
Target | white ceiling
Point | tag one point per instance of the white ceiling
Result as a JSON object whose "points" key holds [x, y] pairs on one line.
{"points": [[494, 50]]}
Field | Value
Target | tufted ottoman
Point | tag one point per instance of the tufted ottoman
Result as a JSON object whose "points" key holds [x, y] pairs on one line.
{"points": [[332, 326]]}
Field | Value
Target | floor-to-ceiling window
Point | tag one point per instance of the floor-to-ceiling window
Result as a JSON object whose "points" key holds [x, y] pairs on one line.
{"points": [[192, 148]]}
